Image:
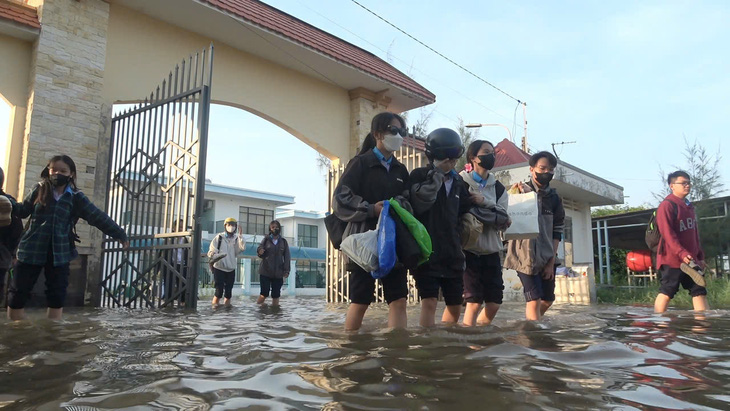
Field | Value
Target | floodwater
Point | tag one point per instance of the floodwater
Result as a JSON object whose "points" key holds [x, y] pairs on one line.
{"points": [[297, 357]]}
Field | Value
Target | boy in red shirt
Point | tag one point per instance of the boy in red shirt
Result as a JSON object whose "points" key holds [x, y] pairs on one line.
{"points": [[679, 246]]}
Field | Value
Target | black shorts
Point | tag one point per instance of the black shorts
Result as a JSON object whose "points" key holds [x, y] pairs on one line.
{"points": [[671, 278], [25, 276], [452, 288], [362, 285], [224, 282], [483, 279], [272, 285], [537, 288]]}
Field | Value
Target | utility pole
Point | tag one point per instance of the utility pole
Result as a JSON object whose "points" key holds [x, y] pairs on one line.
{"points": [[560, 144], [524, 117]]}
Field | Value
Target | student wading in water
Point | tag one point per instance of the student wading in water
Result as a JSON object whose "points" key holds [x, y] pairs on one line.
{"points": [[223, 250], [53, 206], [440, 197], [372, 176], [275, 264]]}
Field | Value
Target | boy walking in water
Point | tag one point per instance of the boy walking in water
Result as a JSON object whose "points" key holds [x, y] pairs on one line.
{"points": [[680, 258]]}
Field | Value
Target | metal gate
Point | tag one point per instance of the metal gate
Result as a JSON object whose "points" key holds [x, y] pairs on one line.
{"points": [[156, 188], [338, 280]]}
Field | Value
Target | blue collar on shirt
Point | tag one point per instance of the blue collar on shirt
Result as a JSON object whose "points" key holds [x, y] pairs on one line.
{"points": [[452, 173], [478, 179], [381, 157]]}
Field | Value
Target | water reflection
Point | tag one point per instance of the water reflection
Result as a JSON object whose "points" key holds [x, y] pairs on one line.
{"points": [[296, 356]]}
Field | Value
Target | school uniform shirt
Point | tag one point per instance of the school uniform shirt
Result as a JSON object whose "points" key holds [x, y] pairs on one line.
{"points": [[680, 235], [50, 226]]}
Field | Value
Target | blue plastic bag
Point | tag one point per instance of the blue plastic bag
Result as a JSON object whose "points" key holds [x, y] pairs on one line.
{"points": [[386, 243]]}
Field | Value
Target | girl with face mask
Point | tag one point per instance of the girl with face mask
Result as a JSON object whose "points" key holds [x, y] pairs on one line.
{"points": [[483, 282], [224, 250], [275, 264], [53, 206], [371, 177]]}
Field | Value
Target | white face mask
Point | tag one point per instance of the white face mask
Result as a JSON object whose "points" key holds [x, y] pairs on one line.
{"points": [[438, 163], [392, 142], [230, 229]]}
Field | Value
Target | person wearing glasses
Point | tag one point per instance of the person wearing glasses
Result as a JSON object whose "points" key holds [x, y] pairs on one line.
{"points": [[679, 258], [440, 197], [534, 259], [372, 176]]}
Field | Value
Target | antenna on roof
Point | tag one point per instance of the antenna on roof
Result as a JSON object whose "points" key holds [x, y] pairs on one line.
{"points": [[560, 144]]}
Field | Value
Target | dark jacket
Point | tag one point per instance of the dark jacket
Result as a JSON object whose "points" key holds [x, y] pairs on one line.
{"points": [[531, 256], [276, 260], [9, 237], [680, 235], [365, 182], [440, 214], [50, 226]]}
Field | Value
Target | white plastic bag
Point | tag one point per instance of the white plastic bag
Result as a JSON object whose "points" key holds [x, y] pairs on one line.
{"points": [[362, 249], [522, 210]]}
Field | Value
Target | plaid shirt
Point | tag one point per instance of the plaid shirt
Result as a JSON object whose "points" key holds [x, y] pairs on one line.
{"points": [[51, 226]]}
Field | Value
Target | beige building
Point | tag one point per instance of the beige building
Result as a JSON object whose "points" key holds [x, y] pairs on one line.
{"points": [[65, 63]]}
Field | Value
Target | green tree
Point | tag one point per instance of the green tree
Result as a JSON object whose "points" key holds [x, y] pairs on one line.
{"points": [[703, 169]]}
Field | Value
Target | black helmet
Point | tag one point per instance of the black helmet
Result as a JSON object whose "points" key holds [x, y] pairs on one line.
{"points": [[444, 143]]}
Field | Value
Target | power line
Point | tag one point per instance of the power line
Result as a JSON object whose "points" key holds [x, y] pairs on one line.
{"points": [[435, 79], [437, 52]]}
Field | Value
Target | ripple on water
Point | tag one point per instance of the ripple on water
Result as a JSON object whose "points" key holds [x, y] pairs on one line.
{"points": [[296, 356]]}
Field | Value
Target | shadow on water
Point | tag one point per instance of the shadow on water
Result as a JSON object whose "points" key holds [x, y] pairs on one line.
{"points": [[296, 356]]}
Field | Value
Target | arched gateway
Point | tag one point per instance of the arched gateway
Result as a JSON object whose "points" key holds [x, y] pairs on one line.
{"points": [[75, 59]]}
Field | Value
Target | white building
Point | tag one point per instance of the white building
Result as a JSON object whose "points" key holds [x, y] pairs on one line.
{"points": [[254, 210], [579, 191]]}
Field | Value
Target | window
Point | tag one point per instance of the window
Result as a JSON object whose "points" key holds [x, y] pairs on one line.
{"points": [[307, 236], [310, 274], [255, 220]]}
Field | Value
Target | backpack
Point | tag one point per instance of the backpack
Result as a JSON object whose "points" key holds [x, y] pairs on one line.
{"points": [[652, 236]]}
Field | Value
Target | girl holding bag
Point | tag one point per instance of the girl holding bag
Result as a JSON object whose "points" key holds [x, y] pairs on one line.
{"points": [[483, 282], [371, 177]]}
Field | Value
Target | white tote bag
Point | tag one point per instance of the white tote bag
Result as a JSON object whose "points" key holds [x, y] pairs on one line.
{"points": [[522, 211]]}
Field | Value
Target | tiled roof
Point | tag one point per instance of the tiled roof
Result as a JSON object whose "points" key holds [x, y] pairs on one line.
{"points": [[416, 142], [19, 13], [509, 154], [276, 21]]}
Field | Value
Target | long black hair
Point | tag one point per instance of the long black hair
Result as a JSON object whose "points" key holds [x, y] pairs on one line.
{"points": [[45, 188], [473, 149], [379, 124]]}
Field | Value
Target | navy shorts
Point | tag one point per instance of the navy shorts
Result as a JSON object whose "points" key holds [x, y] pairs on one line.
{"points": [[483, 278], [537, 288], [452, 288], [25, 276], [362, 285], [671, 278], [224, 282]]}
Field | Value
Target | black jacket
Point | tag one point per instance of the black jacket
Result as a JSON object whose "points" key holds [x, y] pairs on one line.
{"points": [[440, 214], [276, 259], [365, 182]]}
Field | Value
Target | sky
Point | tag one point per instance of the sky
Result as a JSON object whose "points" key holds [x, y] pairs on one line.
{"points": [[627, 81]]}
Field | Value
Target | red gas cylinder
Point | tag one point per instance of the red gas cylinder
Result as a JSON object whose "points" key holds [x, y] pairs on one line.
{"points": [[638, 261]]}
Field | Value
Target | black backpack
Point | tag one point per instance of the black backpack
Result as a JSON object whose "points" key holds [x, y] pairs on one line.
{"points": [[652, 236]]}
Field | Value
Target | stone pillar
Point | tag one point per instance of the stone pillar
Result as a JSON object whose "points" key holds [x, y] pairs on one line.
{"points": [[291, 283], [364, 105], [65, 107]]}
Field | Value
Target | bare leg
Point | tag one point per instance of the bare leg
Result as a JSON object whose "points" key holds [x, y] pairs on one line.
{"points": [[488, 313], [428, 312], [16, 314], [470, 314], [355, 314], [532, 310], [274, 301], [451, 314], [215, 301], [226, 301], [544, 305], [661, 302], [397, 316], [54, 313], [699, 303], [261, 299]]}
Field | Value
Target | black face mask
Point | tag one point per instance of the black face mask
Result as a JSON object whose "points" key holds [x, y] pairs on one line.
{"points": [[487, 161], [275, 231], [59, 180], [543, 178]]}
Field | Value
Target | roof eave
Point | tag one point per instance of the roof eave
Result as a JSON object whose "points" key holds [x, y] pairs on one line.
{"points": [[17, 30]]}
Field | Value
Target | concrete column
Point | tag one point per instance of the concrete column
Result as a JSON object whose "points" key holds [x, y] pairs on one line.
{"points": [[66, 114], [247, 276], [364, 105], [291, 286]]}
